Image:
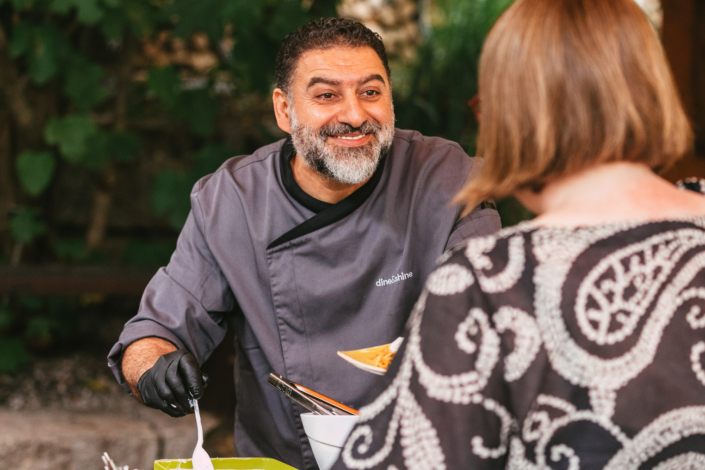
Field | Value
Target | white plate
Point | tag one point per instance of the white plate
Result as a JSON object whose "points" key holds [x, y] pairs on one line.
{"points": [[361, 359]]}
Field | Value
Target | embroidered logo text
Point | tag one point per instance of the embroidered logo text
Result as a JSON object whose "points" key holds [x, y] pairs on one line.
{"points": [[396, 278]]}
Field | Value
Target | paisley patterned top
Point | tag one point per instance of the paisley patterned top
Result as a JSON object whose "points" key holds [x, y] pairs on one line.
{"points": [[550, 348]]}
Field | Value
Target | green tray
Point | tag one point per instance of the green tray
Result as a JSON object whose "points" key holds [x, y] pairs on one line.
{"points": [[225, 464]]}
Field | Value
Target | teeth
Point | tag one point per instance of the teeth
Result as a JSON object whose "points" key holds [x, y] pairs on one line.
{"points": [[351, 138]]}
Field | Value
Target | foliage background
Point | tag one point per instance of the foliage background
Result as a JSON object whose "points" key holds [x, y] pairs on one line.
{"points": [[112, 109]]}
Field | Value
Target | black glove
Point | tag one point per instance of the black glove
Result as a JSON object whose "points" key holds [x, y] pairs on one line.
{"points": [[171, 381]]}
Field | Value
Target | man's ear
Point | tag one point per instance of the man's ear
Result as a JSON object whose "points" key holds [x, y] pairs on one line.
{"points": [[281, 110]]}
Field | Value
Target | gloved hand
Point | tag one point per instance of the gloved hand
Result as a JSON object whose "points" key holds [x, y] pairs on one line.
{"points": [[171, 381]]}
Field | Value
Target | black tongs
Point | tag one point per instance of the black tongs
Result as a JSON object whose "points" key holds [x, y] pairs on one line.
{"points": [[313, 401]]}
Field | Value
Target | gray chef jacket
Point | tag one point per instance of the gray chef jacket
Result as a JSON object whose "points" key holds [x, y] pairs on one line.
{"points": [[301, 279]]}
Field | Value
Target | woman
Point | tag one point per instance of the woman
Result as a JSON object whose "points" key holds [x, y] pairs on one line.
{"points": [[576, 340]]}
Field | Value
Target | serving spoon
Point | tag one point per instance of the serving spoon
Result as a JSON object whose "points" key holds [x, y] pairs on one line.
{"points": [[200, 460]]}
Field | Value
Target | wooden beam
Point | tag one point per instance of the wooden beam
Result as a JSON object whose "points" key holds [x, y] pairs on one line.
{"points": [[684, 43], [70, 280], [679, 29]]}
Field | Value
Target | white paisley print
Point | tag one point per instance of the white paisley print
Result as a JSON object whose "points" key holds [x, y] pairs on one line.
{"points": [[550, 348]]}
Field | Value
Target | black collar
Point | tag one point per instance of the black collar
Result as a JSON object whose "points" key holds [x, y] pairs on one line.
{"points": [[327, 213], [290, 184]]}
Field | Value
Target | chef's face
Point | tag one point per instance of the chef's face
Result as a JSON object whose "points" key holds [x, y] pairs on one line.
{"points": [[339, 112]]}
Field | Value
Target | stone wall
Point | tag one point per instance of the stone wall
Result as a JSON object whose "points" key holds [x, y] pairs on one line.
{"points": [[62, 413], [64, 440]]}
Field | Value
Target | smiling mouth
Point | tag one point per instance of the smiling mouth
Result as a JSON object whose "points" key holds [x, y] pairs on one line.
{"points": [[357, 137], [350, 137]]}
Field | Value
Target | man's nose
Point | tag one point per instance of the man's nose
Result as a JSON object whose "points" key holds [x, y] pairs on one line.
{"points": [[352, 112]]}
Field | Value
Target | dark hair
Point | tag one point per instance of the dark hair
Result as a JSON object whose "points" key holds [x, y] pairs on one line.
{"points": [[324, 34]]}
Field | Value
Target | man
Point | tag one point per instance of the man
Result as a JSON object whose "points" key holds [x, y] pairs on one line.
{"points": [[314, 244]]}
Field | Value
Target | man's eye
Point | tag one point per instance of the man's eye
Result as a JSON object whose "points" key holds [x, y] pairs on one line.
{"points": [[326, 96], [371, 93]]}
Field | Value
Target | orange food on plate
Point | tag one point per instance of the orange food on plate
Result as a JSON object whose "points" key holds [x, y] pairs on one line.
{"points": [[384, 358]]}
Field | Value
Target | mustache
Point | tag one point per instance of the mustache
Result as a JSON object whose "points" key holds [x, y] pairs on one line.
{"points": [[367, 127]]}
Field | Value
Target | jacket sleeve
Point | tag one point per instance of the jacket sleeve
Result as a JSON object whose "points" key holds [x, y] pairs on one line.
{"points": [[479, 223], [185, 302], [484, 219]]}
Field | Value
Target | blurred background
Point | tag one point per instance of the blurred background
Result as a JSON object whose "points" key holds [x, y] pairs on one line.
{"points": [[110, 110]]}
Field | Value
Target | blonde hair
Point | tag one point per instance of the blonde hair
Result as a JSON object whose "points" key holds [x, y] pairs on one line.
{"points": [[568, 84]]}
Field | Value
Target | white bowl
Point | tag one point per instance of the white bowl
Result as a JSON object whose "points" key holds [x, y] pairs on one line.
{"points": [[327, 435]]}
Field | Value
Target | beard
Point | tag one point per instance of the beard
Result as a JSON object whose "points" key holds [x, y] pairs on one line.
{"points": [[348, 165]]}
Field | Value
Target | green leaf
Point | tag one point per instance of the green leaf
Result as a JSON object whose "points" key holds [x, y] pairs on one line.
{"points": [[98, 154], [288, 17], [71, 134], [22, 37], [170, 196], [89, 11], [104, 147], [320, 8], [244, 14], [139, 16], [165, 83], [22, 4], [138, 253], [209, 158], [25, 226], [125, 145], [46, 48], [63, 317], [6, 319], [191, 16], [13, 355], [83, 86], [113, 25], [42, 328], [43, 64], [34, 170], [199, 109], [61, 6], [143, 17], [51, 53], [171, 190], [31, 302], [70, 250]]}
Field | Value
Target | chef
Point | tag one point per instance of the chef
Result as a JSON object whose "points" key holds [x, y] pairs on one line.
{"points": [[317, 243]]}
